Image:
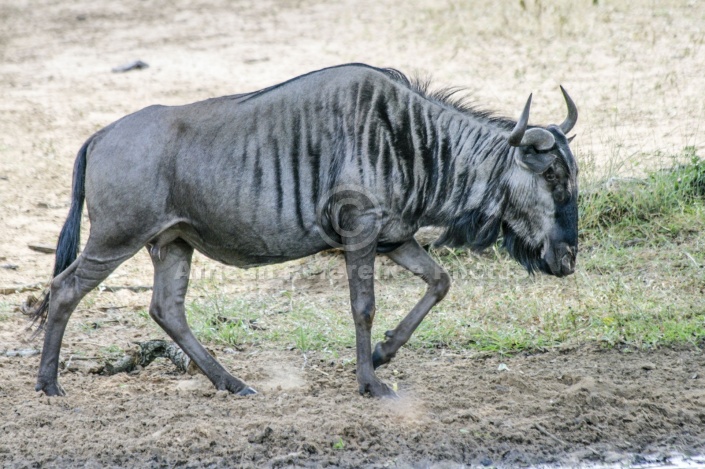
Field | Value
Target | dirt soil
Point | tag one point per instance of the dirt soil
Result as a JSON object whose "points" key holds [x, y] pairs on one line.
{"points": [[634, 69], [569, 407]]}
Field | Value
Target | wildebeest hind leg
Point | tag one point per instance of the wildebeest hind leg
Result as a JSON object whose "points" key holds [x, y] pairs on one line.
{"points": [[66, 291], [414, 258], [172, 264]]}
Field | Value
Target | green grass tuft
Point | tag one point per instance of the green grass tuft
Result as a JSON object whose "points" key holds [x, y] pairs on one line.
{"points": [[220, 319], [664, 204]]}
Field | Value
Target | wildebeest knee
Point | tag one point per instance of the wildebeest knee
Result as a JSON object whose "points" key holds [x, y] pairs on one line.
{"points": [[156, 312], [61, 293], [55, 286], [441, 286]]}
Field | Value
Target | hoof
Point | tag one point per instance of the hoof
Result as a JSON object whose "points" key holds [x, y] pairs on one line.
{"points": [[51, 390], [377, 389], [235, 386], [380, 358], [246, 391]]}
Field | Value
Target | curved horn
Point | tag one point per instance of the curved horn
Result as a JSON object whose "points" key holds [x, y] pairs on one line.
{"points": [[539, 138], [518, 132], [572, 118]]}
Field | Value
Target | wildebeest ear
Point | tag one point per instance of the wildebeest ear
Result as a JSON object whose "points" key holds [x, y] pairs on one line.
{"points": [[536, 162], [570, 139]]}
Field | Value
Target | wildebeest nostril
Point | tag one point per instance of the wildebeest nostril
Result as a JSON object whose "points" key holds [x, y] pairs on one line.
{"points": [[568, 263]]}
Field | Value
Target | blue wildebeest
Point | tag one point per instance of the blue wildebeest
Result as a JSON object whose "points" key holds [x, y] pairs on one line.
{"points": [[350, 156]]}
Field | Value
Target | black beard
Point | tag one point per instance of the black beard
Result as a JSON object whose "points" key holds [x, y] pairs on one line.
{"points": [[524, 254]]}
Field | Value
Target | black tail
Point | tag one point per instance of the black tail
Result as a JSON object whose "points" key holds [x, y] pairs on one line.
{"points": [[70, 236]]}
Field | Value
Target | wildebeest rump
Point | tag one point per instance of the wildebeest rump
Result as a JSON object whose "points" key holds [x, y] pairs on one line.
{"points": [[352, 156]]}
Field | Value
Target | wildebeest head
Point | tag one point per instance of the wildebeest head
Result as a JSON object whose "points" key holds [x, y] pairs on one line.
{"points": [[540, 225]]}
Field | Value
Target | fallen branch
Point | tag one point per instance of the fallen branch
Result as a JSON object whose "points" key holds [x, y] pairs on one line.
{"points": [[555, 438], [43, 248], [147, 353], [549, 434]]}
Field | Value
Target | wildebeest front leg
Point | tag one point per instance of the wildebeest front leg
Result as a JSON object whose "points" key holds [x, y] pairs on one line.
{"points": [[172, 264], [414, 258], [360, 266]]}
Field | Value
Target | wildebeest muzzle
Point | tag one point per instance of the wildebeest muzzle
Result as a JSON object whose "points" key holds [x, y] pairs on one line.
{"points": [[560, 259]]}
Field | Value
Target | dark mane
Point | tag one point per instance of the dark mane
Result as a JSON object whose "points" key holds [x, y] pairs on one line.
{"points": [[472, 229], [528, 256], [454, 97]]}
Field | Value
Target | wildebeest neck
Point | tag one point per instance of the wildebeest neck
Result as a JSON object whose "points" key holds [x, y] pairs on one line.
{"points": [[470, 196]]}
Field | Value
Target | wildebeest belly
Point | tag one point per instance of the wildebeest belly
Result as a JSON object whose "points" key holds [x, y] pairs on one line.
{"points": [[244, 245]]}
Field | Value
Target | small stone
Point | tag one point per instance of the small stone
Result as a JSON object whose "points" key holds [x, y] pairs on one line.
{"points": [[648, 366], [134, 65], [222, 394]]}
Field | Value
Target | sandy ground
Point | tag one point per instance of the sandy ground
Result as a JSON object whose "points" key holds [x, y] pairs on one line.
{"points": [[635, 69]]}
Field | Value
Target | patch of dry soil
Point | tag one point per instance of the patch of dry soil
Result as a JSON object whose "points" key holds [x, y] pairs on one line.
{"points": [[568, 407]]}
